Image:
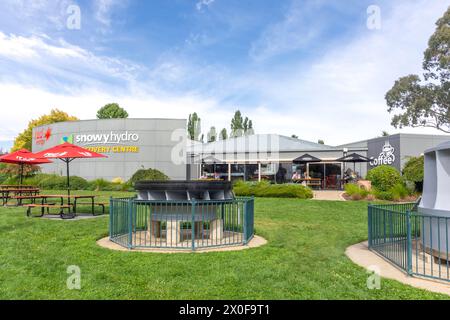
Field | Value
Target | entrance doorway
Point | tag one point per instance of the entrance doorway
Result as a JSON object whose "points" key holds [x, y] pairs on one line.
{"points": [[330, 174]]}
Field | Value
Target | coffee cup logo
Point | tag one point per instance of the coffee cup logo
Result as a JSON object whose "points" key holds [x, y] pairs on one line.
{"points": [[386, 156]]}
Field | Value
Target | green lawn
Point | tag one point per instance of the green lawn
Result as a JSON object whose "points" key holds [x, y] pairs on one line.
{"points": [[304, 260]]}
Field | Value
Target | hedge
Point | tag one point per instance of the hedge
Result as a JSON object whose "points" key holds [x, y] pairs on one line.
{"points": [[267, 190]]}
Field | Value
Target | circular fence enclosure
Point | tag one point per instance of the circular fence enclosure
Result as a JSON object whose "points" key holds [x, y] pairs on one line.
{"points": [[182, 215], [436, 201]]}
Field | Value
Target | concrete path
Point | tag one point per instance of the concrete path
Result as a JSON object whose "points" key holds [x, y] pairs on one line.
{"points": [[331, 195], [360, 254]]}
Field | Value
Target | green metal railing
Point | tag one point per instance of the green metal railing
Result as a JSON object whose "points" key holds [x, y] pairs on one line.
{"points": [[188, 225], [414, 242]]}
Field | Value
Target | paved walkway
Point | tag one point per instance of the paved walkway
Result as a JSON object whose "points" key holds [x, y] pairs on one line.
{"points": [[330, 195], [360, 254]]}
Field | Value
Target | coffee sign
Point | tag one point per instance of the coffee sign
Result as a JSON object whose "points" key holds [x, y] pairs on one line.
{"points": [[386, 157]]}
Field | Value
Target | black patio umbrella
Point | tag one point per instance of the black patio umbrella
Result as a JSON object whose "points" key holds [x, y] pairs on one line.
{"points": [[353, 158], [210, 160], [306, 158]]}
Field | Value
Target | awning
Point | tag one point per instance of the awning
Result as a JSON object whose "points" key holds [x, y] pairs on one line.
{"points": [[306, 158], [211, 160], [354, 157]]}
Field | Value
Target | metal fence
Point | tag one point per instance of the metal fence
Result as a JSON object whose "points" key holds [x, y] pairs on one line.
{"points": [[181, 224], [414, 242]]}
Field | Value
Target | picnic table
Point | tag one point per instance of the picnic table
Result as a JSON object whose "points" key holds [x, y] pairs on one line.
{"points": [[70, 206], [16, 186], [6, 193], [316, 182]]}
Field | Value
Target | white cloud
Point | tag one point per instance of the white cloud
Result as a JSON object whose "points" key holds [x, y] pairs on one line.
{"points": [[203, 3], [338, 98], [61, 62], [103, 11], [33, 102], [300, 25], [342, 93]]}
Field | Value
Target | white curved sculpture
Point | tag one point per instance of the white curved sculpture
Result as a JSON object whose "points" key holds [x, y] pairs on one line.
{"points": [[436, 199]]}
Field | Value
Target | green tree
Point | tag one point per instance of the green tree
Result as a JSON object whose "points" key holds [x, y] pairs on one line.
{"points": [[250, 131], [212, 134], [112, 111], [426, 102], [320, 141], [413, 171], [237, 125], [241, 126], [294, 136], [194, 127], [24, 139], [223, 134], [385, 134]]}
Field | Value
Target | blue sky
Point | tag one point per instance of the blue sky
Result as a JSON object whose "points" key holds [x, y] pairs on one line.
{"points": [[310, 68]]}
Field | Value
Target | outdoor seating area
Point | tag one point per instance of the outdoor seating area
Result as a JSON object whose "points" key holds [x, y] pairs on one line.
{"points": [[316, 173], [30, 197]]}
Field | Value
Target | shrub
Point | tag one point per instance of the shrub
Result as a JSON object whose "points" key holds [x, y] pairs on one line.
{"points": [[265, 189], [384, 177], [399, 191], [356, 197], [100, 185], [148, 174], [51, 182], [78, 183], [383, 195], [355, 191], [118, 180], [413, 172], [242, 189], [55, 182]]}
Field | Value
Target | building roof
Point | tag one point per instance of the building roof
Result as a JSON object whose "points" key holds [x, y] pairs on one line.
{"points": [[262, 143]]}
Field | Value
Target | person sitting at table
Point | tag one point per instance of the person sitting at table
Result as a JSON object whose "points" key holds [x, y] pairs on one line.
{"points": [[296, 176]]}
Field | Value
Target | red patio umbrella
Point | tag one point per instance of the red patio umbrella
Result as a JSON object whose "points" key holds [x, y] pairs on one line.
{"points": [[22, 158], [68, 152]]}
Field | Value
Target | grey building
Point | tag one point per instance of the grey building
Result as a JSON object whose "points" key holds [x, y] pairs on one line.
{"points": [[395, 149], [129, 144], [258, 157]]}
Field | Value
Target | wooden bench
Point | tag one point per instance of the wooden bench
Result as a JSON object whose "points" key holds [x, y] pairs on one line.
{"points": [[49, 206], [19, 199], [98, 204]]}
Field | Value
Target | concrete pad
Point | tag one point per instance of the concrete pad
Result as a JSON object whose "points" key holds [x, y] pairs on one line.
{"points": [[257, 241], [80, 216], [362, 256]]}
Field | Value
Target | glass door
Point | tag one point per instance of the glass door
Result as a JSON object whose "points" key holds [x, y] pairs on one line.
{"points": [[333, 176], [317, 172]]}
